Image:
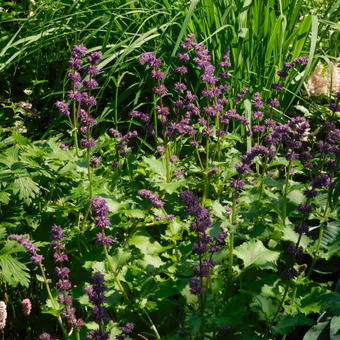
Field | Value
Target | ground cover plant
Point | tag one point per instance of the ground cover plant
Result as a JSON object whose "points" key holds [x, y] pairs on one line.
{"points": [[207, 208]]}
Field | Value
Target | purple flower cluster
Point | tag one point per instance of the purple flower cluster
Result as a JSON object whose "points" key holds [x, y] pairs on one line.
{"points": [[127, 329], [79, 94], [46, 336], [248, 158], [123, 141], [143, 117], [155, 201], [27, 244], [292, 136], [284, 72], [185, 98], [96, 296], [63, 284], [204, 243], [330, 143], [152, 61], [101, 210], [232, 114]]}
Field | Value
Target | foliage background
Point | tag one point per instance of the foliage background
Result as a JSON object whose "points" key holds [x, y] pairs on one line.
{"points": [[41, 184]]}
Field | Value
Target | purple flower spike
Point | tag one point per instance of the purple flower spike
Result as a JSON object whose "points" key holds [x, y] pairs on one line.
{"points": [[104, 240], [57, 233], [94, 162], [182, 69], [157, 74], [274, 102], [237, 183], [173, 159], [195, 286], [90, 83], [160, 90], [321, 181], [27, 244], [99, 206], [96, 296], [282, 73], [301, 60], [75, 62], [95, 57], [147, 58], [97, 335], [305, 208], [63, 108], [79, 51], [88, 142], [45, 336], [63, 285], [212, 172], [36, 258]]}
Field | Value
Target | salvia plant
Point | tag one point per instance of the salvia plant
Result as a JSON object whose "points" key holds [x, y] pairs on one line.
{"points": [[208, 216]]}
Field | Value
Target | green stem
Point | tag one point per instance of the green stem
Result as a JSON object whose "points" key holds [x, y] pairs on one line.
{"points": [[74, 129], [316, 256], [85, 217], [167, 164], [231, 253], [206, 182], [89, 173], [116, 279], [281, 303], [77, 334], [155, 120], [231, 237], [284, 203], [116, 106], [121, 288], [54, 303], [199, 157]]}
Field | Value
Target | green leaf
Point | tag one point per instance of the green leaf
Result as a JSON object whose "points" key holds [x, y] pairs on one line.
{"points": [[330, 236], [171, 187], [335, 327], [315, 331], [135, 213], [145, 243], [312, 302], [266, 305], [152, 261], [273, 182], [11, 247], [218, 209], [4, 197], [120, 258], [52, 307], [156, 165], [195, 322], [290, 235], [289, 322], [296, 196], [25, 188], [13, 271], [331, 302], [174, 228], [149, 248], [254, 253]]}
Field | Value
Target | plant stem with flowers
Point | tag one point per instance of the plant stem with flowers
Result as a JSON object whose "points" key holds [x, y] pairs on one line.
{"points": [[285, 193], [53, 301]]}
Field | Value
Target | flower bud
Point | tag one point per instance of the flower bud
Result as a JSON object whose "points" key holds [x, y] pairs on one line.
{"points": [[26, 306]]}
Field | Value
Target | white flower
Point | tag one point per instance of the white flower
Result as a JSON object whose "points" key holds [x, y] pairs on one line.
{"points": [[28, 91], [3, 315]]}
